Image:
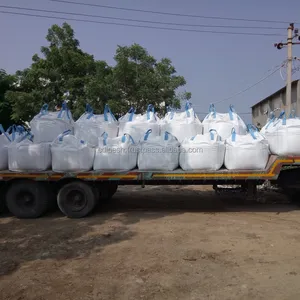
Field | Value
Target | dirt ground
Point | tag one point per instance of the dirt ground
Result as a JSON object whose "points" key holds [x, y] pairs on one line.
{"points": [[156, 243]]}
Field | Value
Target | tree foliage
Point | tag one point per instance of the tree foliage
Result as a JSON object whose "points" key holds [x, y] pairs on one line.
{"points": [[136, 80], [6, 84]]}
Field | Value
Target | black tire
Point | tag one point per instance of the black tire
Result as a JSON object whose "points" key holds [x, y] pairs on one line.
{"points": [[2, 205], [27, 199], [76, 199]]}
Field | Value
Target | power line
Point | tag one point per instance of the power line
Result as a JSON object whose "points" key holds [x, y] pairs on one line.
{"points": [[169, 13], [277, 68], [141, 26], [141, 21]]}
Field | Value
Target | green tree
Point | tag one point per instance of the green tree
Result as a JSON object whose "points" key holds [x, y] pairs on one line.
{"points": [[62, 67], [138, 79], [6, 84]]}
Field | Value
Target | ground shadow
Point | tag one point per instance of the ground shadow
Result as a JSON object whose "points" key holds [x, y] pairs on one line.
{"points": [[56, 237]]}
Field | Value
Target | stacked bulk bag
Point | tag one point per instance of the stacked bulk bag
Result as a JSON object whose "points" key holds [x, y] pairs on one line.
{"points": [[46, 126], [283, 135], [246, 152], [224, 122], [91, 126], [137, 124], [69, 154], [117, 153], [202, 152], [182, 124], [158, 152], [24, 155], [272, 119], [5, 140]]}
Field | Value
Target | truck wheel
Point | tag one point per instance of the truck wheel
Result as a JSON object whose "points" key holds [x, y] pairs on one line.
{"points": [[2, 204], [76, 199], [27, 199]]}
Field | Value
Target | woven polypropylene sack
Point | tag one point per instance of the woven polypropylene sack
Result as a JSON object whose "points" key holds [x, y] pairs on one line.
{"points": [[46, 126], [70, 154], [158, 152], [202, 152], [246, 152], [117, 154]]}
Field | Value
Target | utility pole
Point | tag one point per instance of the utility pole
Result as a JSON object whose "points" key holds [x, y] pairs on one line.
{"points": [[289, 44]]}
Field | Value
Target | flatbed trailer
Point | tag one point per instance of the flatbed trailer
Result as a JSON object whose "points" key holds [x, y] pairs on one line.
{"points": [[30, 195]]}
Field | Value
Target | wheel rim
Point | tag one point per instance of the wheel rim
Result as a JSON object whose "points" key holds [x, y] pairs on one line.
{"points": [[76, 200], [25, 200]]}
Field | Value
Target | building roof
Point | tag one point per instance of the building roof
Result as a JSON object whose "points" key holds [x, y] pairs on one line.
{"points": [[276, 93]]}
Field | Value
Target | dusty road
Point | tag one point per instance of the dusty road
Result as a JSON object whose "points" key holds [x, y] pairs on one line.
{"points": [[155, 243]]}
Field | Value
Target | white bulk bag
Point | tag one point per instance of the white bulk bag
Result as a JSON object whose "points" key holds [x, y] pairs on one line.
{"points": [[118, 153], [46, 126], [90, 126], [272, 123], [70, 154], [224, 122], [5, 140], [283, 136], [24, 155], [246, 152], [137, 124], [183, 125], [202, 152], [158, 152]]}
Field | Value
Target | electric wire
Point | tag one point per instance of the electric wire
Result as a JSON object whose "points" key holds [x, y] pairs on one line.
{"points": [[140, 26], [138, 20], [169, 13]]}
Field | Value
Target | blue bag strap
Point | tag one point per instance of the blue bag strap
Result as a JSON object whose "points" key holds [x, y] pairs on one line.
{"points": [[131, 112], [61, 136], [283, 117], [188, 106], [212, 110], [3, 132], [251, 129], [167, 134], [28, 136], [147, 134], [272, 119], [105, 136], [20, 129], [13, 132], [233, 135], [64, 107], [89, 110], [44, 110], [150, 108], [231, 111], [124, 138], [192, 138], [211, 132], [292, 114], [106, 111]]}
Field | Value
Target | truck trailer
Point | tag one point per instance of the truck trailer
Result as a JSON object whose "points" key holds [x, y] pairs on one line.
{"points": [[32, 194]]}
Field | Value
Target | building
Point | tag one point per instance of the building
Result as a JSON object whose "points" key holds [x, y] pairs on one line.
{"points": [[261, 110]]}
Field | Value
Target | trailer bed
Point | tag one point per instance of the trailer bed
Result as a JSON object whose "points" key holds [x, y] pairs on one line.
{"points": [[271, 172]]}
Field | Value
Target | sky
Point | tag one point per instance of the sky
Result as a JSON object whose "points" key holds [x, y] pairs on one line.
{"points": [[215, 66]]}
